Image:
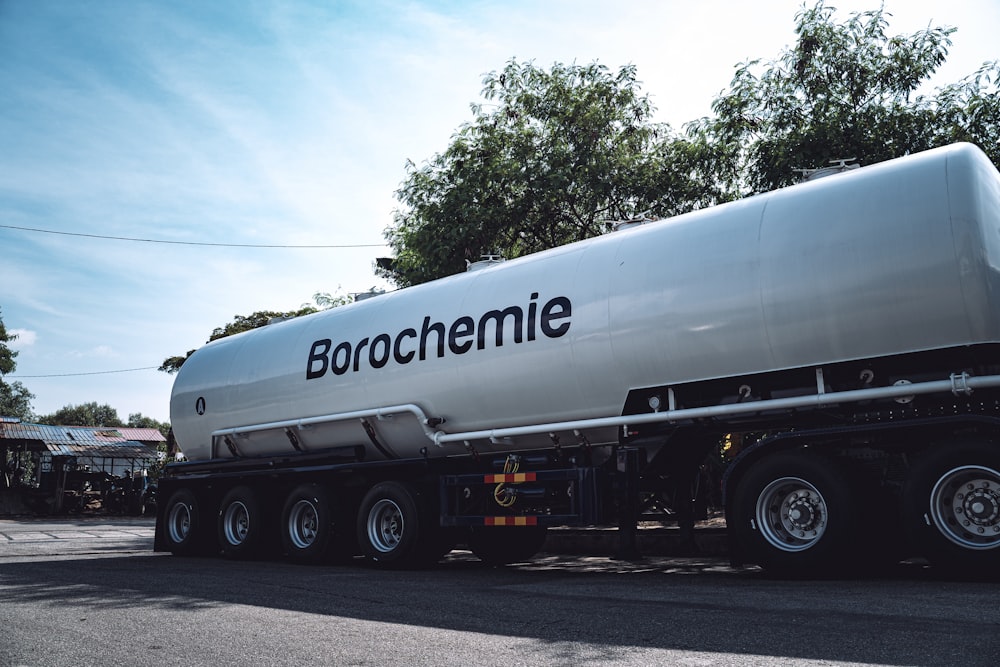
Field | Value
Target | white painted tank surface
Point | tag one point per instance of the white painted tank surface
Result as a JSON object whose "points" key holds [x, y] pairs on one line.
{"points": [[897, 257]]}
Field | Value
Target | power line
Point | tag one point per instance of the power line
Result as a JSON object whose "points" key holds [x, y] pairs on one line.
{"points": [[66, 375], [198, 243]]}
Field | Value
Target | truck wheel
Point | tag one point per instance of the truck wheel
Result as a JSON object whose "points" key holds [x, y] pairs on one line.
{"points": [[182, 524], [951, 507], [240, 529], [502, 545], [395, 528], [793, 514], [307, 524]]}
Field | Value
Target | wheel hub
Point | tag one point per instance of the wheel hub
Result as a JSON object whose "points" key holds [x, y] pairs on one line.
{"points": [[385, 526], [791, 514], [803, 513], [981, 507], [965, 507], [303, 523], [179, 522], [236, 523]]}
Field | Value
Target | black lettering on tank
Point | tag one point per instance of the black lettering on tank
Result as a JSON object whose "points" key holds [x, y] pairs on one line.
{"points": [[403, 357], [463, 327], [317, 353], [498, 317], [425, 331], [532, 310], [357, 353], [375, 359], [335, 365], [552, 319], [564, 312]]}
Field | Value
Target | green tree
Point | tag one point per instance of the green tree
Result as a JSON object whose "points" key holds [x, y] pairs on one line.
{"points": [[550, 157], [139, 420], [15, 399], [7, 355], [85, 414], [241, 323], [847, 90]]}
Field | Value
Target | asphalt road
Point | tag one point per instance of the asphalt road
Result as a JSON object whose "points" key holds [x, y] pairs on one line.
{"points": [[92, 593]]}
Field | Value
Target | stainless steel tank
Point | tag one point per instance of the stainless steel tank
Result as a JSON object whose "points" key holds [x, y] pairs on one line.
{"points": [[897, 257]]}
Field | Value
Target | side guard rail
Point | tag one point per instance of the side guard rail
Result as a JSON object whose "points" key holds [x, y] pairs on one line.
{"points": [[958, 384]]}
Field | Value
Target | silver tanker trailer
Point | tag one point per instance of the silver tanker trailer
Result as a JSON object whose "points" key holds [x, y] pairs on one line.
{"points": [[846, 331]]}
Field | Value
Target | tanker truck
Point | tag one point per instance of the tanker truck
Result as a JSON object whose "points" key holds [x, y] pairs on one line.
{"points": [[846, 330]]}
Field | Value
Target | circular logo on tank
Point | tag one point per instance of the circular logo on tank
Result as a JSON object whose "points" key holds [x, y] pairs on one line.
{"points": [[199, 405]]}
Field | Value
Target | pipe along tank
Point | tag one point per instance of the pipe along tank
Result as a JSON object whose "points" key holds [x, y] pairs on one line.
{"points": [[885, 272]]}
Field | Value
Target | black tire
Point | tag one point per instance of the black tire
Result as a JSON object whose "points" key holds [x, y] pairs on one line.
{"points": [[500, 545], [308, 525], [951, 507], [240, 528], [396, 528], [182, 527], [794, 515]]}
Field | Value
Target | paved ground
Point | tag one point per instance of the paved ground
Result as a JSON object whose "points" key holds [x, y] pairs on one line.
{"points": [[91, 592]]}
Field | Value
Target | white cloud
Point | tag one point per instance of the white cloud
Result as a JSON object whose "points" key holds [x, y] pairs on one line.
{"points": [[25, 338]]}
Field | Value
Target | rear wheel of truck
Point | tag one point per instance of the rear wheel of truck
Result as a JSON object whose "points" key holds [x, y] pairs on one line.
{"points": [[307, 525], [951, 507], [793, 514], [240, 528], [182, 524], [396, 528], [500, 545]]}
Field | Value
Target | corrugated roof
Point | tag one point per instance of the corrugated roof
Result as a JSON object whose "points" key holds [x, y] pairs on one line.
{"points": [[141, 434], [107, 442], [121, 450]]}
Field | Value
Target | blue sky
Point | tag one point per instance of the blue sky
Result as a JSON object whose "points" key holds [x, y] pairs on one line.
{"points": [[285, 123]]}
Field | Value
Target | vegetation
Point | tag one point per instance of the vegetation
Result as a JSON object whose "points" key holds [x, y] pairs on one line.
{"points": [[552, 156], [847, 90], [15, 399], [92, 414], [241, 323]]}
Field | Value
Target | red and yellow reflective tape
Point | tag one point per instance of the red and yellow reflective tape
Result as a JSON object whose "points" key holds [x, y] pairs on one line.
{"points": [[509, 478], [510, 521]]}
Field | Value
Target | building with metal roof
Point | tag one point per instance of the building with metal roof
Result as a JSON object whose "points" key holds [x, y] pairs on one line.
{"points": [[72, 462], [93, 443]]}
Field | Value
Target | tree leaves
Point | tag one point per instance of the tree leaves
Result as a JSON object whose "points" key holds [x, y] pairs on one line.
{"points": [[15, 399], [847, 90], [241, 323], [550, 158], [7, 363]]}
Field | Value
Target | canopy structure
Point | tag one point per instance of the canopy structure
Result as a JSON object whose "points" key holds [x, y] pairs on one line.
{"points": [[83, 442], [55, 460]]}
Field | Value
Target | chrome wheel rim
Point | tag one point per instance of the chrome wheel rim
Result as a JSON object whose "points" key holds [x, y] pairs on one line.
{"points": [[791, 514], [385, 525], [303, 524], [179, 523], [965, 507], [236, 523]]}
